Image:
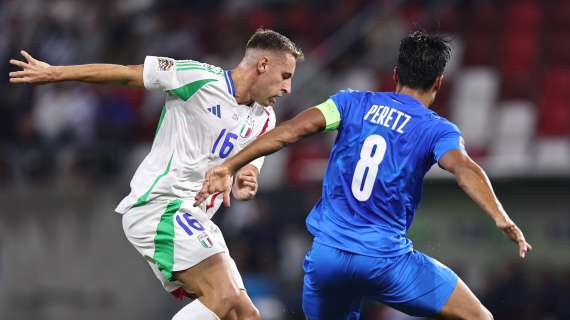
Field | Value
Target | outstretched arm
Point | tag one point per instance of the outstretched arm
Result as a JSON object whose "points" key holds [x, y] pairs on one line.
{"points": [[38, 72], [474, 181], [217, 179], [306, 123]]}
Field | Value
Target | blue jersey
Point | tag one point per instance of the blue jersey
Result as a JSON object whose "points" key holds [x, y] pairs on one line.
{"points": [[373, 184]]}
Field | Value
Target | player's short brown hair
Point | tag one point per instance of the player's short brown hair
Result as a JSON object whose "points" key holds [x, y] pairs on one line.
{"points": [[271, 40]]}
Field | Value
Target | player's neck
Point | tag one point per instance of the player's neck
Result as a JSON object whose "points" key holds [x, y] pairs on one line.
{"points": [[425, 97], [242, 82]]}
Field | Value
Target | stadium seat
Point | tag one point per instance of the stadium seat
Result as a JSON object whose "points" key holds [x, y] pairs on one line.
{"points": [[523, 16], [513, 131], [472, 102], [480, 48], [556, 50], [552, 156], [554, 103], [554, 118], [558, 13], [516, 86], [450, 19], [482, 26], [519, 53], [484, 18]]}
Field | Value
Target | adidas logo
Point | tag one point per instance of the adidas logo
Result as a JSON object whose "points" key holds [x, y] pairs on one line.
{"points": [[215, 110]]}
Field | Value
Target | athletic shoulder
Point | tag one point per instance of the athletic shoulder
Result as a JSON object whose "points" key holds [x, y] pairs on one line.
{"points": [[445, 136], [442, 124]]}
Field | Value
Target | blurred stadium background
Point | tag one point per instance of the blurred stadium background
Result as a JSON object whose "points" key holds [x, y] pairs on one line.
{"points": [[67, 151]]}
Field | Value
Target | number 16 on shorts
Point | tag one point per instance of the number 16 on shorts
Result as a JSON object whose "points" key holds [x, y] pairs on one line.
{"points": [[189, 224]]}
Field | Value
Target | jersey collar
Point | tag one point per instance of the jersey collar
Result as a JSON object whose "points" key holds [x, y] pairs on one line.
{"points": [[230, 83], [405, 99], [410, 101]]}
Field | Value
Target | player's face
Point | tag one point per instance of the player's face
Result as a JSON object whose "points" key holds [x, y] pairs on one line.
{"points": [[274, 80]]}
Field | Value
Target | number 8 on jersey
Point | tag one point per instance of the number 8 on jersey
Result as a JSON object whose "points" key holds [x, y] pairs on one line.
{"points": [[371, 155]]}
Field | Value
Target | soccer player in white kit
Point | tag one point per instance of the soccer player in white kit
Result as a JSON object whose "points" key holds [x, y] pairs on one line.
{"points": [[209, 114]]}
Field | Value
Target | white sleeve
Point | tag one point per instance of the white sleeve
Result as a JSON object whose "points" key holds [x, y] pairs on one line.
{"points": [[167, 74], [160, 73], [258, 163]]}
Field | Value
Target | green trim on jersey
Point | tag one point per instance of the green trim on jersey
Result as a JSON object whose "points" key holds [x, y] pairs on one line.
{"points": [[188, 90], [191, 68], [164, 240], [142, 200], [331, 114], [183, 65], [189, 65], [162, 113]]}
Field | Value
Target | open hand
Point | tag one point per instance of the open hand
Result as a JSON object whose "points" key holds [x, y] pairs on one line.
{"points": [[33, 70], [515, 234], [218, 180]]}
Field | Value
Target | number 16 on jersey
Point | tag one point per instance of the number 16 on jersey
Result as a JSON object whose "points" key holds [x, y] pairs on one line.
{"points": [[371, 155], [227, 144]]}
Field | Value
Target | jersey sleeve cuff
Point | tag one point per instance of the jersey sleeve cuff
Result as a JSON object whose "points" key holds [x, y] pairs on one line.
{"points": [[149, 69], [331, 114], [442, 152]]}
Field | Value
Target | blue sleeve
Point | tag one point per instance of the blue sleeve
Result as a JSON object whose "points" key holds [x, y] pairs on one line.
{"points": [[448, 138], [342, 100]]}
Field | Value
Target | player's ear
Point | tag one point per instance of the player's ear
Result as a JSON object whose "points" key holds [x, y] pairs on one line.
{"points": [[395, 76], [262, 64], [438, 83]]}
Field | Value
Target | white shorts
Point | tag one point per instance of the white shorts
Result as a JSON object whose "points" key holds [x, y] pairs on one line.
{"points": [[175, 236]]}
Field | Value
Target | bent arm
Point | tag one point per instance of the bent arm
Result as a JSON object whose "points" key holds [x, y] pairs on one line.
{"points": [[306, 123], [34, 71], [474, 181]]}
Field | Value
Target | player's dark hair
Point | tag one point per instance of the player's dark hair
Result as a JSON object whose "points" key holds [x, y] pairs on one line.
{"points": [[421, 59], [270, 40]]}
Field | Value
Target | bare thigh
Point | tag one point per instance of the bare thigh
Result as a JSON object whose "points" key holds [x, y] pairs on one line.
{"points": [[463, 304], [213, 282]]}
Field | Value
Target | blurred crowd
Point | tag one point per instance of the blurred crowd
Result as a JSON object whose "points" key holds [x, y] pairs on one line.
{"points": [[508, 89], [508, 84]]}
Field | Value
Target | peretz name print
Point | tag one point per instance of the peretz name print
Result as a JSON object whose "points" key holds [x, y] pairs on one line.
{"points": [[388, 117]]}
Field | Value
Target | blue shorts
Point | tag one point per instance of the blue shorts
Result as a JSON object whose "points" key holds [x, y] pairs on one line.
{"points": [[336, 281]]}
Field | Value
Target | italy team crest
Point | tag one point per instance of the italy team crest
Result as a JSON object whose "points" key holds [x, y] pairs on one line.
{"points": [[246, 131], [205, 240]]}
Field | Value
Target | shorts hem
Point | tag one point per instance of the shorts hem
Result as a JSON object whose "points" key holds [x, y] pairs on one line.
{"points": [[447, 295]]}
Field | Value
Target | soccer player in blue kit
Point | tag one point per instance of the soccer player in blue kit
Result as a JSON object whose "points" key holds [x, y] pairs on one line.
{"points": [[386, 143]]}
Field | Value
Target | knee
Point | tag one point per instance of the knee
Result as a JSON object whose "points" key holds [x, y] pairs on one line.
{"points": [[223, 301], [229, 299]]}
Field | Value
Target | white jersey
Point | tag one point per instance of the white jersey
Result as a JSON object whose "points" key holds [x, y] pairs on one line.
{"points": [[201, 124]]}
